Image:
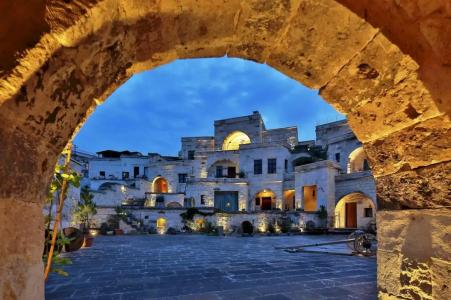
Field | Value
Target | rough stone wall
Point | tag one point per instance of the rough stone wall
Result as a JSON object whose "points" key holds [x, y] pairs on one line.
{"points": [[196, 144], [322, 174], [208, 187], [251, 125], [170, 171], [259, 182], [330, 131], [362, 182], [345, 148], [282, 136], [386, 64]]}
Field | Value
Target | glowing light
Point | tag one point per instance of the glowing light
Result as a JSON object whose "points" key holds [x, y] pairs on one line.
{"points": [[93, 232], [161, 226], [234, 140]]}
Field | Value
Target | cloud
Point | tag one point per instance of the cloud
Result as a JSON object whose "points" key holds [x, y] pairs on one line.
{"points": [[154, 109]]}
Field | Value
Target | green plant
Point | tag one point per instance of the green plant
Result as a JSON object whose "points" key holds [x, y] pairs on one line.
{"points": [[322, 215], [63, 178], [285, 224], [85, 209], [271, 228]]}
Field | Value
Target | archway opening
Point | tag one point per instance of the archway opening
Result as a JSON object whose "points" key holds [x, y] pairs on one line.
{"points": [[234, 140], [265, 200], [45, 96], [355, 210], [358, 161], [160, 185]]}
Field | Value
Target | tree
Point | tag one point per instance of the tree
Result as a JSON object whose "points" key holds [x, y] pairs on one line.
{"points": [[63, 177], [85, 209]]}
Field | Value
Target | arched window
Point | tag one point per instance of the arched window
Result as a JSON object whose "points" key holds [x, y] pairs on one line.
{"points": [[234, 140], [357, 161], [160, 185]]}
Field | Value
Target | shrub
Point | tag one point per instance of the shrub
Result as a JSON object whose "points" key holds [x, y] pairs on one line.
{"points": [[271, 228], [171, 230], [285, 224]]}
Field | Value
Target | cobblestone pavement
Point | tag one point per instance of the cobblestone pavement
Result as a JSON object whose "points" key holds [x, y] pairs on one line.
{"points": [[207, 267]]}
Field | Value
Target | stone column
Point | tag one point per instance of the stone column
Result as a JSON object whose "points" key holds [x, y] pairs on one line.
{"points": [[414, 253]]}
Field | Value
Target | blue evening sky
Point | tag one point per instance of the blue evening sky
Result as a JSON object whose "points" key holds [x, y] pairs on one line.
{"points": [[154, 109]]}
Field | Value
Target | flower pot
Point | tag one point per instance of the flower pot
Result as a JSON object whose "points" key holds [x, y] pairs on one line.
{"points": [[118, 232], [88, 241]]}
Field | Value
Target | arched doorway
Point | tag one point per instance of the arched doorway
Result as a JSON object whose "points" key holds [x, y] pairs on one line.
{"points": [[234, 140], [358, 161], [265, 200], [355, 210], [391, 82], [161, 225], [160, 185]]}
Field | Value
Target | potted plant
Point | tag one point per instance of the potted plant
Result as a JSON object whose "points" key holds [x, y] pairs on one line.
{"points": [[84, 211]]}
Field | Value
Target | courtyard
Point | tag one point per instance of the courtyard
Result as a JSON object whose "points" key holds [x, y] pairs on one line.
{"points": [[211, 267]]}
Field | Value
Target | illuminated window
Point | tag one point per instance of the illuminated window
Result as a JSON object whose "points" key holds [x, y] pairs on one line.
{"points": [[160, 185], [234, 140]]}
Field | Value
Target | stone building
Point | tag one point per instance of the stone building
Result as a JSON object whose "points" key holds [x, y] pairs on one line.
{"points": [[244, 168]]}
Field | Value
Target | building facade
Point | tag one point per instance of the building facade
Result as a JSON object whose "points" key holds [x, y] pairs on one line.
{"points": [[244, 169]]}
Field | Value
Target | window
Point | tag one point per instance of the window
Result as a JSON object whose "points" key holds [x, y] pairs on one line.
{"points": [[368, 212], [125, 175], [272, 166], [258, 166], [257, 201], [286, 164], [191, 154], [102, 173], [203, 200], [337, 157], [231, 172], [135, 172], [182, 177], [219, 172]]}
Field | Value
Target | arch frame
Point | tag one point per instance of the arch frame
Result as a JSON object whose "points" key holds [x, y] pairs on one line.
{"points": [[385, 66]]}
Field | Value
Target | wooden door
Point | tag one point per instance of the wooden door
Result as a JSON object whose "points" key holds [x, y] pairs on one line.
{"points": [[351, 215], [266, 203]]}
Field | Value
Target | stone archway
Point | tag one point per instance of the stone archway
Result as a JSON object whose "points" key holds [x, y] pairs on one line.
{"points": [[391, 82]]}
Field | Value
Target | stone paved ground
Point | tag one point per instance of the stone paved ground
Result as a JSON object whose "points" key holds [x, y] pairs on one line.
{"points": [[205, 267]]}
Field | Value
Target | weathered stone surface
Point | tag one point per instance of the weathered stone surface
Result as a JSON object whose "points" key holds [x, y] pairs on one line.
{"points": [[60, 58], [422, 187], [259, 25], [415, 146], [301, 52], [22, 232], [380, 89], [414, 253]]}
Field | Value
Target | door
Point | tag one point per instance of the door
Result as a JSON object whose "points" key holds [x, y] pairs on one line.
{"points": [[266, 203], [226, 201], [351, 215], [231, 172]]}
